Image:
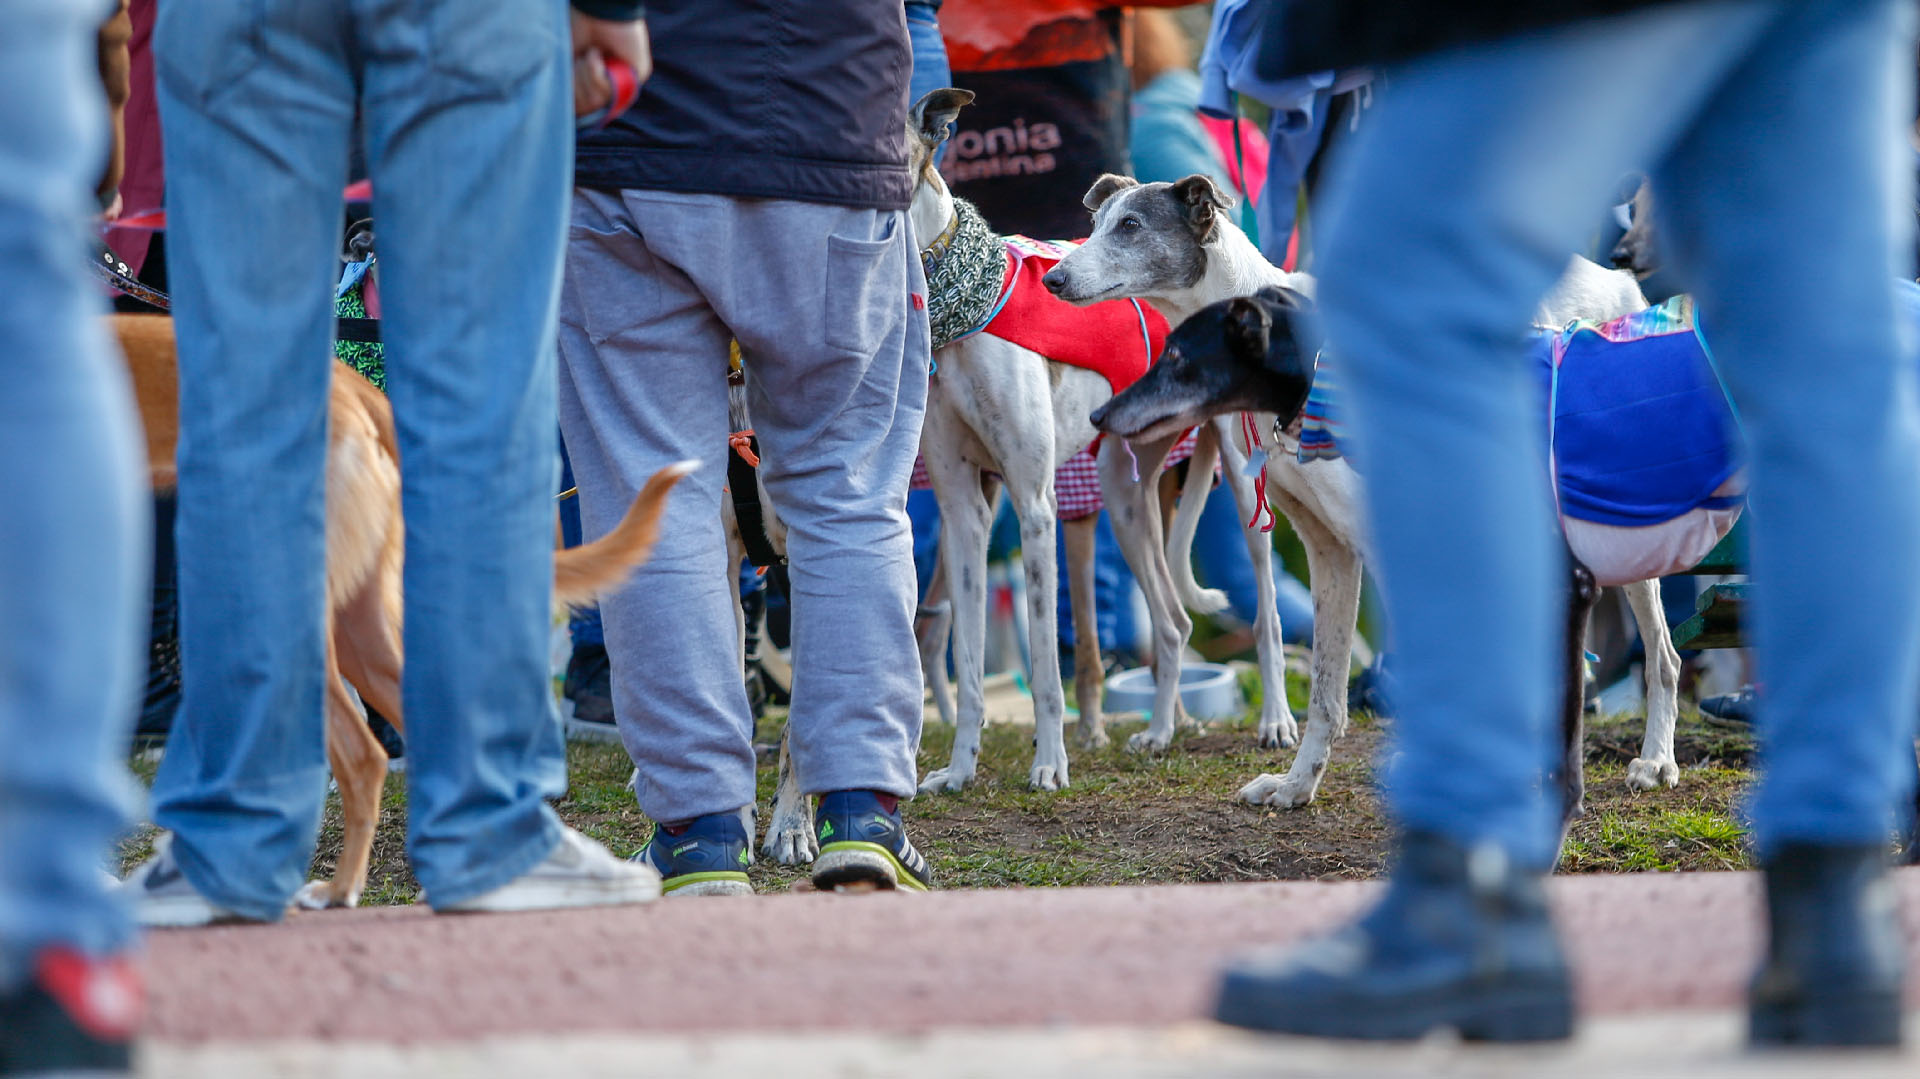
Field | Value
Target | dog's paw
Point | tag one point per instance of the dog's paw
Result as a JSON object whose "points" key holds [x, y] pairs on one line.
{"points": [[1094, 737], [790, 843], [321, 894], [1048, 777], [1151, 740], [1279, 731], [1646, 775], [1279, 791], [945, 781]]}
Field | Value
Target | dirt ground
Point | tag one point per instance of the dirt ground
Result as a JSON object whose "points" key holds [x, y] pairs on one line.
{"points": [[1170, 817]]}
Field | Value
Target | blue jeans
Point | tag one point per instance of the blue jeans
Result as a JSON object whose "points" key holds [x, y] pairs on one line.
{"points": [[1773, 127], [466, 107], [73, 545], [1113, 586], [930, 70], [1220, 547], [583, 623]]}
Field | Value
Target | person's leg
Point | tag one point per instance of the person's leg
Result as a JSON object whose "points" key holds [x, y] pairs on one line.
{"points": [[1438, 242], [257, 115], [588, 685], [625, 310], [930, 70], [837, 391], [73, 549], [468, 146], [1831, 442], [1818, 354], [836, 385], [1452, 213]]}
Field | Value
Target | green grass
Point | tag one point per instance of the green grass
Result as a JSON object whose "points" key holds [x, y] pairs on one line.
{"points": [[1163, 818]]}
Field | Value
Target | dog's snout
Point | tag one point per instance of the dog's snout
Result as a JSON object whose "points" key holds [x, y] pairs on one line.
{"points": [[1099, 417], [1054, 280]]}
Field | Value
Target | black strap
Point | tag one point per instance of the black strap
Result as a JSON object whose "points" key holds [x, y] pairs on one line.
{"points": [[744, 484]]}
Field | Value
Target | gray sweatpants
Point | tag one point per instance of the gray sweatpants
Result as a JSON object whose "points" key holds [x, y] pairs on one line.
{"points": [[821, 299]]}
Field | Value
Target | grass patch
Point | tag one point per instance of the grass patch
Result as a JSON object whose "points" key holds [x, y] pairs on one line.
{"points": [[1163, 818]]}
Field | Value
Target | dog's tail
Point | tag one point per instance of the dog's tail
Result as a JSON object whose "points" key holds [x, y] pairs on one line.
{"points": [[581, 573], [1186, 522]]}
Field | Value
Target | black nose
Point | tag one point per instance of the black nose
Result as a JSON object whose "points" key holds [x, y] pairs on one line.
{"points": [[1099, 417], [1622, 257], [1055, 281]]}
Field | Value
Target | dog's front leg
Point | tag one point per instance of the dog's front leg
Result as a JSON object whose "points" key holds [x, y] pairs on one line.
{"points": [[965, 517], [1089, 676], [790, 839], [1135, 513], [1334, 567], [1277, 726], [1655, 766]]}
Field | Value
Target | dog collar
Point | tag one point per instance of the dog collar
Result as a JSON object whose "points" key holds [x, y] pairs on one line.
{"points": [[931, 254]]}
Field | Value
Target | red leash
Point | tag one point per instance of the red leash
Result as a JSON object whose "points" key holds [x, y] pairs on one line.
{"points": [[1251, 430]]}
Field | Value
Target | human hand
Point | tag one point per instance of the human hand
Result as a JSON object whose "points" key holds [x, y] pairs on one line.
{"points": [[114, 209], [594, 42]]}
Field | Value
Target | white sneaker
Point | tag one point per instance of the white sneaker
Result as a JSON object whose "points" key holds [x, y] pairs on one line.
{"points": [[579, 873], [162, 898]]}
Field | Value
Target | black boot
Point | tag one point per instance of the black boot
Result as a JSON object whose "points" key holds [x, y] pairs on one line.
{"points": [[1835, 962], [1462, 939]]}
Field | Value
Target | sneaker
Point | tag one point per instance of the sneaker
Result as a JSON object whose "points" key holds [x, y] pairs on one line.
{"points": [[589, 685], [709, 856], [162, 897], [579, 873], [863, 842], [1732, 707], [76, 1015]]}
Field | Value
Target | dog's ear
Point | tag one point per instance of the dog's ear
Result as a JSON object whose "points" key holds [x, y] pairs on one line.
{"points": [[1203, 201], [1104, 189], [933, 115], [1248, 325]]}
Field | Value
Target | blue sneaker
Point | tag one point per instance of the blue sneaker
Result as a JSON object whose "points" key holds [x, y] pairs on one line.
{"points": [[861, 843], [709, 858]]}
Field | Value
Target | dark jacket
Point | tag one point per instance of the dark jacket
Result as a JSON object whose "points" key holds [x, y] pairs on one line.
{"points": [[786, 99], [1305, 36]]}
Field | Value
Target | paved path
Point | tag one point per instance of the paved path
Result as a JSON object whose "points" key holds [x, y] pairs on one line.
{"points": [[1106, 978]]}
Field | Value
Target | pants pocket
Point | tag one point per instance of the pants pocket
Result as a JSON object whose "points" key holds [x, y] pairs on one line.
{"points": [[866, 286], [489, 47], [203, 49], [607, 283]]}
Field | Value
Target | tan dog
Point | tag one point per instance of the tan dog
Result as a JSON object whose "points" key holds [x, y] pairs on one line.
{"points": [[365, 546]]}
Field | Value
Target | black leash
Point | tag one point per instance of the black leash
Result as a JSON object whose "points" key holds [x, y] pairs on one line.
{"points": [[119, 277], [743, 484]]}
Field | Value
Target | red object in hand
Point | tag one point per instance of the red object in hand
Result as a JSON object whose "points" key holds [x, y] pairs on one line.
{"points": [[626, 90]]}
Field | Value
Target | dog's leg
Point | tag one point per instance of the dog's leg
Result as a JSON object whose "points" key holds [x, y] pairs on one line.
{"points": [[1134, 510], [1655, 766], [1186, 522], [966, 515], [790, 839], [1277, 725], [934, 628], [1089, 676], [360, 768], [1334, 567], [1034, 504], [1582, 593]]}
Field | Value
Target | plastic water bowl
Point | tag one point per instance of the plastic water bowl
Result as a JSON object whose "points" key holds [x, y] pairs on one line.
{"points": [[1208, 690]]}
